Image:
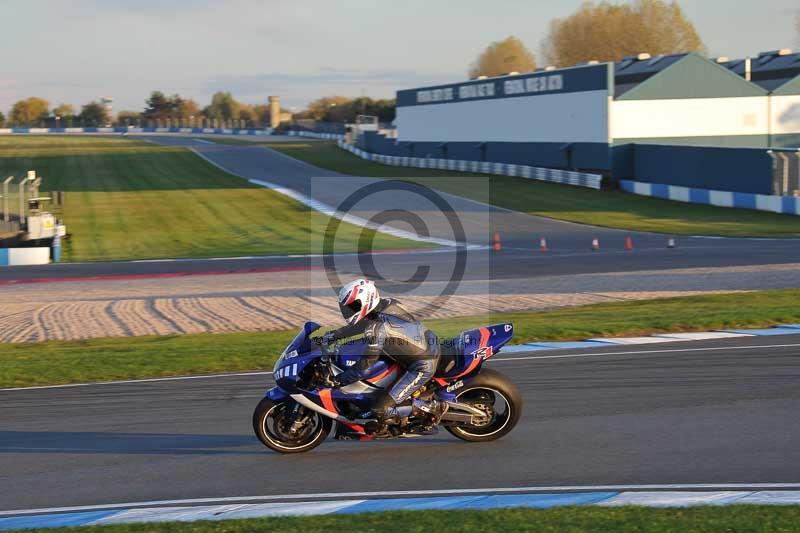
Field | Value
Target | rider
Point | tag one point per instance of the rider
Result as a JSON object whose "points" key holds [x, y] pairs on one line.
{"points": [[391, 331]]}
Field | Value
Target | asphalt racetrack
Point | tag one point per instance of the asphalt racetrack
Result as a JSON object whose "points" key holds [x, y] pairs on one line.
{"points": [[712, 412]]}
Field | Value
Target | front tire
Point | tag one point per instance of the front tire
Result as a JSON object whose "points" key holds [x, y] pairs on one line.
{"points": [[499, 398], [271, 428]]}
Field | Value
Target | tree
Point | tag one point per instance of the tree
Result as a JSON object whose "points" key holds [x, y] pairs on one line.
{"points": [[63, 111], [262, 115], [129, 118], [185, 109], [63, 115], [159, 106], [94, 114], [318, 109], [247, 113], [502, 57], [30, 112], [344, 109], [223, 106], [610, 32], [2, 120]]}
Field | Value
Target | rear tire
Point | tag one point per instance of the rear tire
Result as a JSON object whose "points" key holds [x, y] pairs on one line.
{"points": [[267, 426], [489, 391]]}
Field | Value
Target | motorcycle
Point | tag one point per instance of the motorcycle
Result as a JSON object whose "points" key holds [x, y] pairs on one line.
{"points": [[480, 404]]}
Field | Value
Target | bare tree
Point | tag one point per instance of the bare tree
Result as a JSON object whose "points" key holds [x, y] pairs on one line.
{"points": [[502, 57], [608, 32]]}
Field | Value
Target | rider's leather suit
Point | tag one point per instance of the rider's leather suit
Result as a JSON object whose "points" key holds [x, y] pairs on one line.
{"points": [[393, 332]]}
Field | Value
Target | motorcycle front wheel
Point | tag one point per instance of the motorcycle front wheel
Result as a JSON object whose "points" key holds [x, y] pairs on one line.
{"points": [[287, 427]]}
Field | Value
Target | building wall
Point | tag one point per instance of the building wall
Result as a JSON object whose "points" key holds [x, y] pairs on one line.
{"points": [[734, 121], [785, 119], [570, 117], [559, 106]]}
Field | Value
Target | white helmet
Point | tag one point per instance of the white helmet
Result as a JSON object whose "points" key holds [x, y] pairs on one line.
{"points": [[357, 299]]}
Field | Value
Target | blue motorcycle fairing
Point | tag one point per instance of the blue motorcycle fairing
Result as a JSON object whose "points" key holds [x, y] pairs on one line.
{"points": [[478, 346], [276, 394]]}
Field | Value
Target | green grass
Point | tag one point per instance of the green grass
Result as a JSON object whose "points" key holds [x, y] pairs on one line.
{"points": [[128, 199], [48, 363], [613, 209], [733, 518]]}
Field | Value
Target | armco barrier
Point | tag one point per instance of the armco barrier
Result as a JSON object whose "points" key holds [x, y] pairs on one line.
{"points": [[566, 177], [316, 135], [216, 131], [787, 205]]}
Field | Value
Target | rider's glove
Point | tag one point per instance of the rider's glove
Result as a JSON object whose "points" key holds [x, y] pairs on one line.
{"points": [[328, 338]]}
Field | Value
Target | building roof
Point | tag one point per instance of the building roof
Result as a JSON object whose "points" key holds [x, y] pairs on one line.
{"points": [[633, 70], [688, 75], [770, 70]]}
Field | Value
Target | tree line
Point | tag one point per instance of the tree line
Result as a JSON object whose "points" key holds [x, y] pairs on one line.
{"points": [[162, 110]]}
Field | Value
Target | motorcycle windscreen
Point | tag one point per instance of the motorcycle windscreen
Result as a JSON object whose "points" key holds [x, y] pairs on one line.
{"points": [[301, 342]]}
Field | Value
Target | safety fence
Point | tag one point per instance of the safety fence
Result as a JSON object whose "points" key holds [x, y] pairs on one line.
{"points": [[566, 177], [788, 205], [216, 131]]}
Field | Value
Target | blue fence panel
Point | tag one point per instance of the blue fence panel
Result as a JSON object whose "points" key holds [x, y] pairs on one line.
{"points": [[746, 170]]}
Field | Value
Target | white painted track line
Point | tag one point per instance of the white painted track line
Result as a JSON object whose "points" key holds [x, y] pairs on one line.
{"points": [[419, 493]]}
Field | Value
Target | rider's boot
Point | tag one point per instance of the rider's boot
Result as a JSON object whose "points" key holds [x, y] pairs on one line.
{"points": [[434, 407], [384, 411]]}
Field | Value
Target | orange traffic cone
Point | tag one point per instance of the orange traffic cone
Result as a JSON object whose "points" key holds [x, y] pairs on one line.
{"points": [[542, 244], [595, 244], [628, 243], [497, 245]]}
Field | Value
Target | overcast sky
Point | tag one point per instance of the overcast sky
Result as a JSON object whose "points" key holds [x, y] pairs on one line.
{"points": [[75, 51]]}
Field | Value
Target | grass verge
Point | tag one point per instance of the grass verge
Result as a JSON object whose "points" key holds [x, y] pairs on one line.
{"points": [[622, 519], [614, 209], [48, 363], [128, 199]]}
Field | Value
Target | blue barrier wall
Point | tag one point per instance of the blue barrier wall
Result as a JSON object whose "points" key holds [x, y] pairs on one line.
{"points": [[746, 170], [592, 156], [219, 131]]}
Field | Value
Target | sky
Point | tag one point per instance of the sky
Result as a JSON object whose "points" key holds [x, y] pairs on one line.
{"points": [[75, 51]]}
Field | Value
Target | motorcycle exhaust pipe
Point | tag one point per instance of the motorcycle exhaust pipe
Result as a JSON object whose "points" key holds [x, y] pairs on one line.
{"points": [[457, 417]]}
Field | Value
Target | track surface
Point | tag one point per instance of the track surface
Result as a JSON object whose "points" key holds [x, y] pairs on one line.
{"points": [[666, 413], [569, 242]]}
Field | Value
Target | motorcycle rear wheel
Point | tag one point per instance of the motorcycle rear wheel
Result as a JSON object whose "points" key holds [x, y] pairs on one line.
{"points": [[495, 394], [269, 426]]}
